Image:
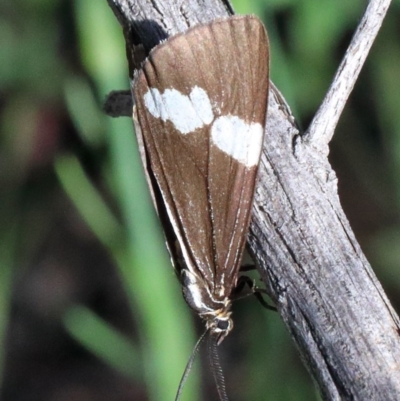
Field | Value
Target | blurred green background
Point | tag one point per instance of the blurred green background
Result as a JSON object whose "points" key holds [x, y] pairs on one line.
{"points": [[89, 305]]}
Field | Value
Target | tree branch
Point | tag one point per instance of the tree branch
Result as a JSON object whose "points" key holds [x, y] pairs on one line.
{"points": [[325, 290], [323, 125]]}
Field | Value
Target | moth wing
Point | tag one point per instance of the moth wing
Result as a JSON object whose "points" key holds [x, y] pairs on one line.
{"points": [[201, 101]]}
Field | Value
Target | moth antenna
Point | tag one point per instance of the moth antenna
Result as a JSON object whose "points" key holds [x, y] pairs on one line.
{"points": [[189, 365], [216, 368]]}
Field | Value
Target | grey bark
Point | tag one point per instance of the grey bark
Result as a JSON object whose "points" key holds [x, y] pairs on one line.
{"points": [[324, 288]]}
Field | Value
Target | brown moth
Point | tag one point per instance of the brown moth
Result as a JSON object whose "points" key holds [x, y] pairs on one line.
{"points": [[200, 108]]}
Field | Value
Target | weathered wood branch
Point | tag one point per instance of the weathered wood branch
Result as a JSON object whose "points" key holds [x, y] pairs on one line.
{"points": [[325, 290], [327, 117]]}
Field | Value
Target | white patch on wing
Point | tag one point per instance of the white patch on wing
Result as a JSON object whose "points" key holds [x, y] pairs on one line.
{"points": [[187, 113], [202, 104], [238, 139], [153, 102]]}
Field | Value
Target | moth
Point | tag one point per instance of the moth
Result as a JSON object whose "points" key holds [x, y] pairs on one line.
{"points": [[200, 109]]}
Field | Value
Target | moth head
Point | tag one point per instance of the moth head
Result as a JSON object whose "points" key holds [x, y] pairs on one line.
{"points": [[220, 324]]}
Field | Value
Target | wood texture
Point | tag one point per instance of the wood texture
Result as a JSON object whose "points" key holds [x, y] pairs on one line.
{"points": [[326, 292]]}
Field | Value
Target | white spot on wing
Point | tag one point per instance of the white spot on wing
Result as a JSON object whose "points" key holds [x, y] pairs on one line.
{"points": [[202, 104], [187, 113], [154, 103], [238, 139]]}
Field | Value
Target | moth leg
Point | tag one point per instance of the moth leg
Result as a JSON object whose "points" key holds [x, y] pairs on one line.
{"points": [[250, 267], [257, 292], [247, 267]]}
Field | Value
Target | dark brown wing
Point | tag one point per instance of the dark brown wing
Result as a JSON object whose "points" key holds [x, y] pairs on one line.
{"points": [[201, 101]]}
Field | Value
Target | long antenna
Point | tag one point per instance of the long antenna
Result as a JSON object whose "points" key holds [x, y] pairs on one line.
{"points": [[190, 364], [216, 367]]}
